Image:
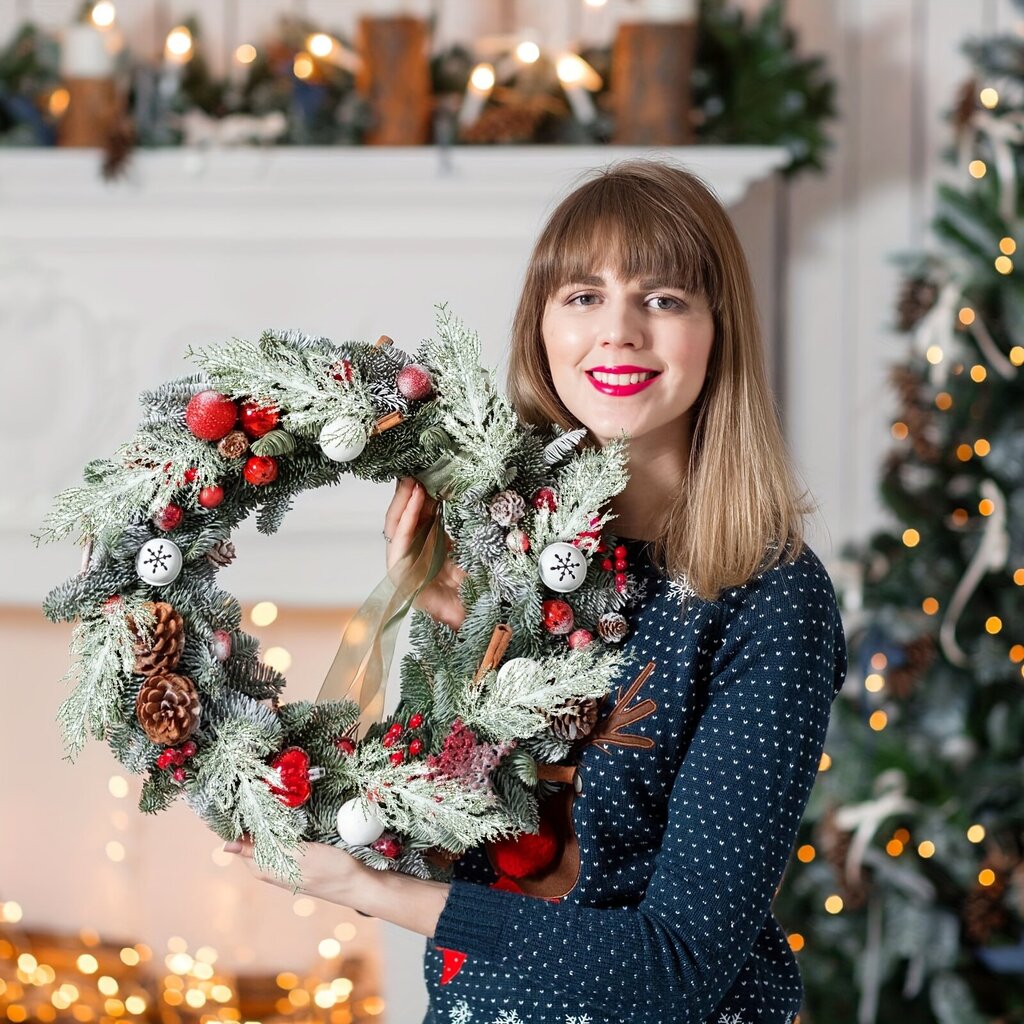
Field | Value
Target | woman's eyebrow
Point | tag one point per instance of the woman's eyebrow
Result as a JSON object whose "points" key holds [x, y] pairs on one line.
{"points": [[653, 282]]}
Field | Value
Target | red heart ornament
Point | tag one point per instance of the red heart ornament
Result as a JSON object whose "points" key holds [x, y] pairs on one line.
{"points": [[292, 766]]}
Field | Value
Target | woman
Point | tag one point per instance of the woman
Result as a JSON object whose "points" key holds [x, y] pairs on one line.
{"points": [[638, 314]]}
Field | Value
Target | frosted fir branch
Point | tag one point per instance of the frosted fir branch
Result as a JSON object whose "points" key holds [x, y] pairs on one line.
{"points": [[513, 704], [167, 403], [563, 446]]}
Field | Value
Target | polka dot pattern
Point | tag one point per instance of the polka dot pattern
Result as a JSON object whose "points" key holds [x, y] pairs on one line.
{"points": [[682, 845]]}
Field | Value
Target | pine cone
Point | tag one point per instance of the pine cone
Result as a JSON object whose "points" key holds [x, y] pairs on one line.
{"points": [[835, 845], [162, 652], [167, 708], [507, 507], [903, 679], [233, 445], [487, 542], [613, 627], [917, 296], [983, 911], [222, 553], [575, 721], [513, 123]]}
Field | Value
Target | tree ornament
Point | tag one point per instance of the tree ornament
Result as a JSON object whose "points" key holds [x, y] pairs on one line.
{"points": [[158, 562], [414, 382], [517, 666], [160, 654], [292, 776], [343, 439], [358, 826], [168, 518], [212, 496], [612, 627], [516, 540], [346, 746], [563, 568], [580, 638], [525, 854], [210, 415], [558, 618], [388, 845], [260, 470], [221, 645], [167, 707], [222, 553], [233, 445], [507, 507], [544, 498], [257, 420], [342, 371], [573, 720]]}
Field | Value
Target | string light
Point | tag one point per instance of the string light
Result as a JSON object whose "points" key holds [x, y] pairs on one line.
{"points": [[1018, 578], [878, 720], [528, 52], [977, 168], [245, 54], [1004, 264], [277, 658], [329, 948], [926, 849], [902, 835], [934, 354], [874, 682], [993, 624], [806, 853], [87, 964], [302, 66], [11, 911], [986, 876], [976, 833], [320, 45], [178, 47], [834, 904], [1007, 246], [964, 452], [911, 537], [286, 980], [264, 613], [59, 101], [1017, 355], [930, 605], [982, 447], [966, 316], [978, 373], [986, 506], [989, 97], [825, 763], [130, 956], [1017, 653], [900, 431], [894, 848]]}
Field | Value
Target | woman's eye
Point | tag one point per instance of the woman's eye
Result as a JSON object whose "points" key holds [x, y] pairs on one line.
{"points": [[672, 303], [584, 295]]}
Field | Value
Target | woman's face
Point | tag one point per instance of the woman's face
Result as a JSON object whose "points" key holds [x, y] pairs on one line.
{"points": [[628, 355]]}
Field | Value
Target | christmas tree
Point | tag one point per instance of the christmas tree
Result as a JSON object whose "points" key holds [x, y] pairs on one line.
{"points": [[905, 896]]}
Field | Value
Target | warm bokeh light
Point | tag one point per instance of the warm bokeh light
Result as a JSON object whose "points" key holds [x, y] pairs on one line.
{"points": [[900, 430], [574, 70], [989, 97], [978, 373], [993, 624], [107, 985], [878, 720], [966, 316], [902, 835], [982, 447], [287, 980], [179, 42], [926, 849], [986, 876], [329, 948], [873, 682], [115, 851], [302, 66], [944, 400], [1017, 355], [245, 54], [930, 605], [977, 168], [206, 955], [179, 963], [1007, 246], [135, 1004], [482, 77], [796, 941], [976, 833], [87, 963], [277, 658], [911, 537], [304, 907], [894, 848], [345, 932], [196, 998], [960, 516], [528, 52], [130, 956], [221, 993], [263, 614], [103, 14], [934, 354], [1004, 264], [834, 904], [806, 853], [825, 763], [118, 786], [1017, 653], [373, 1005], [58, 101], [879, 661], [1018, 578], [298, 997], [986, 506], [10, 911], [320, 45]]}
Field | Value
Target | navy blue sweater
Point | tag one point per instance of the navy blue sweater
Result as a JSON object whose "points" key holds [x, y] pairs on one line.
{"points": [[682, 844]]}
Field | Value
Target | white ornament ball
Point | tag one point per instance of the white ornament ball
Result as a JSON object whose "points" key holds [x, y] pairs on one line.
{"points": [[343, 439], [517, 666], [563, 567], [158, 562], [356, 825]]}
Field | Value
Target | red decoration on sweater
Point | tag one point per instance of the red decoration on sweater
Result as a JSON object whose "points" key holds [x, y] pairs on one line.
{"points": [[453, 961], [526, 854]]}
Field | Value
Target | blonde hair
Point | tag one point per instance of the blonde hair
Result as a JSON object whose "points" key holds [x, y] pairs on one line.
{"points": [[739, 510]]}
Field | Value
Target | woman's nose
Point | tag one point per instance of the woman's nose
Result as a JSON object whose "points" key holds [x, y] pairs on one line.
{"points": [[620, 326]]}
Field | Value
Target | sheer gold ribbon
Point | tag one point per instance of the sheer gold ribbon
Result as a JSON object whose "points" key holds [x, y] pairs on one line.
{"points": [[360, 668]]}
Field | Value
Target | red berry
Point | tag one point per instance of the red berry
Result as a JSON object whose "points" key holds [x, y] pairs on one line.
{"points": [[260, 470], [179, 774], [415, 747], [168, 518], [580, 638], [211, 416], [190, 474], [414, 382], [606, 564], [558, 618], [620, 579], [388, 740], [397, 757], [257, 420], [342, 370], [545, 498], [345, 745], [211, 497], [416, 721], [387, 845], [189, 749], [620, 551], [177, 757], [165, 759], [396, 729], [620, 565]]}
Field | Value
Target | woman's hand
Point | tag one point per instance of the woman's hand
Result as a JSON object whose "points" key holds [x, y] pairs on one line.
{"points": [[328, 872], [409, 509]]}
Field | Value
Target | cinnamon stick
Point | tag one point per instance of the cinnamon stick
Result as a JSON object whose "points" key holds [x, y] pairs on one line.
{"points": [[496, 647], [392, 419]]}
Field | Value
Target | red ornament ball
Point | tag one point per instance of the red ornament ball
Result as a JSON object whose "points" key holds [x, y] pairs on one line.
{"points": [[190, 474], [397, 757], [292, 766], [558, 618], [545, 497], [527, 853], [395, 729], [580, 638], [257, 420], [189, 749], [168, 518], [415, 747], [211, 497], [210, 415], [416, 721], [346, 746], [414, 382], [388, 845], [179, 774], [260, 470]]}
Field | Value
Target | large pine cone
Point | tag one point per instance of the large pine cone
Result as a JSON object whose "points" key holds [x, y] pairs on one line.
{"points": [[222, 553], [917, 296], [161, 654], [167, 708], [835, 844], [233, 445], [573, 721]]}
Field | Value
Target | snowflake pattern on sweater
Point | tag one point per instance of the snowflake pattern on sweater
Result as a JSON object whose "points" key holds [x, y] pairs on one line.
{"points": [[683, 838]]}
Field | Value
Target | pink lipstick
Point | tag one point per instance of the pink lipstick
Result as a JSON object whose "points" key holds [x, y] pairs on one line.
{"points": [[619, 389]]}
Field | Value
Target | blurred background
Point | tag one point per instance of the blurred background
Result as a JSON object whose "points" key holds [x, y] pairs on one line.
{"points": [[176, 174]]}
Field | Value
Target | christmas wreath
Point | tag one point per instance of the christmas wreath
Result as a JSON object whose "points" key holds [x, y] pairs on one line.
{"points": [[167, 677]]}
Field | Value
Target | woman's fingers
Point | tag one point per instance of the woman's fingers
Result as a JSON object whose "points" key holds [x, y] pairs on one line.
{"points": [[392, 517]]}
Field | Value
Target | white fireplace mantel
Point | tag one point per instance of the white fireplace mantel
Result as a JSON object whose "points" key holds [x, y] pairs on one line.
{"points": [[104, 285]]}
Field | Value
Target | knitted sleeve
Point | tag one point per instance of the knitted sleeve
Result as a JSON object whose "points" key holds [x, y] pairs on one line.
{"points": [[733, 815]]}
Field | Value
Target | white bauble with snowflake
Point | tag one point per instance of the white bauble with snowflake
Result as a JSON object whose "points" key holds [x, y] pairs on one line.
{"points": [[158, 562], [563, 568], [343, 439], [356, 825]]}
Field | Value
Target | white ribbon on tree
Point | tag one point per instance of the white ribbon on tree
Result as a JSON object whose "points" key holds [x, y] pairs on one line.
{"points": [[991, 556], [1003, 133], [936, 328]]}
